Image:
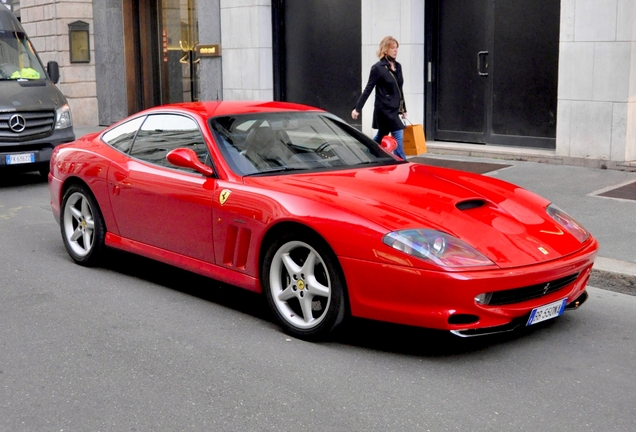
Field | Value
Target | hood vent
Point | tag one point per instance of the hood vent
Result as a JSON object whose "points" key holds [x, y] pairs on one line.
{"points": [[470, 204]]}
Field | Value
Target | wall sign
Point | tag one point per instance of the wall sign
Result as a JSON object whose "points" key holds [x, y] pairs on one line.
{"points": [[209, 50], [79, 42]]}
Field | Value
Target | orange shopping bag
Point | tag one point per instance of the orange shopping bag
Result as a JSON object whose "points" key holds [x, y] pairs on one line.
{"points": [[414, 140]]}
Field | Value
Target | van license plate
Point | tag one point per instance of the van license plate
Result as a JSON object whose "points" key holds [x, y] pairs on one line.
{"points": [[547, 312], [14, 159]]}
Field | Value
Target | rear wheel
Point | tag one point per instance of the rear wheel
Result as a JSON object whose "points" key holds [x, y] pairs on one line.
{"points": [[304, 286], [82, 226]]}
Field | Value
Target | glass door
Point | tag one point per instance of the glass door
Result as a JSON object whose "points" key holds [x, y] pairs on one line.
{"points": [[178, 38]]}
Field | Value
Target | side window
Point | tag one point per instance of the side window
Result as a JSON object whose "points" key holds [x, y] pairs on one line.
{"points": [[122, 136], [162, 133]]}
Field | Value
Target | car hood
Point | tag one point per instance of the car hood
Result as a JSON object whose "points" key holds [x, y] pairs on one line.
{"points": [[505, 222], [29, 95]]}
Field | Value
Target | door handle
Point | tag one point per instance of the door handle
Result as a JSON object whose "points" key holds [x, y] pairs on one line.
{"points": [[482, 63]]}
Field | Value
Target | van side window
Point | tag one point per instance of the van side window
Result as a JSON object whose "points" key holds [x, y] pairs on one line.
{"points": [[122, 136], [162, 133]]}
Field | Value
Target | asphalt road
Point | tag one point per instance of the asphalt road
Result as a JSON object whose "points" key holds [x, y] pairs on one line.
{"points": [[140, 346]]}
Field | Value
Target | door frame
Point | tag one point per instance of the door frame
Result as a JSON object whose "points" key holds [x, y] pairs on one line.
{"points": [[141, 54], [146, 72]]}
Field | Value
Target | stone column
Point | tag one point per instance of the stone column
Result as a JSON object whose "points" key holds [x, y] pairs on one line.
{"points": [[246, 37], [210, 72]]}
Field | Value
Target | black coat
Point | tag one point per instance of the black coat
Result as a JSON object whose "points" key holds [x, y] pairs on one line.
{"points": [[388, 93]]}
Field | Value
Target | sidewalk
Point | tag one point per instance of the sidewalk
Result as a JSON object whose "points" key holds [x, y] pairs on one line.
{"points": [[599, 194]]}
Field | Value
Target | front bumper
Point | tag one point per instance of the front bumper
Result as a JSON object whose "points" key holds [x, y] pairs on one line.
{"points": [[39, 150], [446, 300]]}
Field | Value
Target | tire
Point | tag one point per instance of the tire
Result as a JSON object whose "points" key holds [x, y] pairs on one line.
{"points": [[44, 171], [82, 226], [304, 286]]}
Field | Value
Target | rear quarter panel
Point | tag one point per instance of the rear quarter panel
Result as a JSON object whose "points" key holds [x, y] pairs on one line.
{"points": [[86, 161]]}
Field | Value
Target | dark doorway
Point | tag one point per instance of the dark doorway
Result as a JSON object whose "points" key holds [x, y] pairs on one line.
{"points": [[494, 71], [317, 45]]}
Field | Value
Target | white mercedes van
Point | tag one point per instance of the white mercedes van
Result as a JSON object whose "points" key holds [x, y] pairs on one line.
{"points": [[34, 114]]}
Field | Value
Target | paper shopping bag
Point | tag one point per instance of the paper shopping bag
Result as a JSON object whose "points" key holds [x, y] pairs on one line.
{"points": [[414, 140]]}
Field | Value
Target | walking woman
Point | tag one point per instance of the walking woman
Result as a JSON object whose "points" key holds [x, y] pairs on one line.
{"points": [[386, 77]]}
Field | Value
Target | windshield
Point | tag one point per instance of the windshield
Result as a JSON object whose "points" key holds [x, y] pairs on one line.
{"points": [[17, 58], [293, 141]]}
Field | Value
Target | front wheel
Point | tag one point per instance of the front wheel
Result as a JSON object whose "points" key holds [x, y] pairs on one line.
{"points": [[83, 229], [304, 286]]}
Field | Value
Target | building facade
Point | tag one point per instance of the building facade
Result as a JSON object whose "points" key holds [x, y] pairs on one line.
{"points": [[575, 95]]}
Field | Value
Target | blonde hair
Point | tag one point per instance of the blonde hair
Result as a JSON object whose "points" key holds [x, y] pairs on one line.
{"points": [[385, 45]]}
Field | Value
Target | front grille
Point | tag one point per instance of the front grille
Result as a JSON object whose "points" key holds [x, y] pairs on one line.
{"points": [[38, 124], [530, 292], [26, 147]]}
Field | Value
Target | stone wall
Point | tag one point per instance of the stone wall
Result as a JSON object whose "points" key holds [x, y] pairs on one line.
{"points": [[46, 22], [597, 80]]}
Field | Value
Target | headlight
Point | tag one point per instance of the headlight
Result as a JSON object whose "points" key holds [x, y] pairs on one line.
{"points": [[63, 117], [568, 222], [438, 247]]}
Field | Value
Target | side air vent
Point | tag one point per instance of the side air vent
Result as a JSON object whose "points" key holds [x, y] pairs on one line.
{"points": [[470, 204]]}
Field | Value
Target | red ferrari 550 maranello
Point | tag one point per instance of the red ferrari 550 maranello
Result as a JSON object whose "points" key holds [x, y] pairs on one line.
{"points": [[291, 201]]}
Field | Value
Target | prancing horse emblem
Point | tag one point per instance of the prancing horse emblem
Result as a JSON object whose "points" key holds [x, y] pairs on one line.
{"points": [[225, 194], [546, 288]]}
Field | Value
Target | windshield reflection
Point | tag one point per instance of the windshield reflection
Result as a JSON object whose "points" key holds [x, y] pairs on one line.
{"points": [[18, 60], [291, 141]]}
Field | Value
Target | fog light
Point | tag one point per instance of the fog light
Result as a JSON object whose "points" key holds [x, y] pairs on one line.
{"points": [[483, 298]]}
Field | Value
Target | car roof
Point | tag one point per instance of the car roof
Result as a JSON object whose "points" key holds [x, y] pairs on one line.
{"points": [[221, 108]]}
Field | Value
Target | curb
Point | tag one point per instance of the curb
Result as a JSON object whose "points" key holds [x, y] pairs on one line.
{"points": [[524, 155], [614, 275]]}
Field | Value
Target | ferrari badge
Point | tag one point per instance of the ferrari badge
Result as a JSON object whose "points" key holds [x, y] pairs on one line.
{"points": [[225, 194]]}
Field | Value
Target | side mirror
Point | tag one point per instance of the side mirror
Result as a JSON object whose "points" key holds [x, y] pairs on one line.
{"points": [[389, 144], [186, 158], [53, 71]]}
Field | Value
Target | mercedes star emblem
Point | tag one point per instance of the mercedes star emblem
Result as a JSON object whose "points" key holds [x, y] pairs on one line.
{"points": [[17, 123]]}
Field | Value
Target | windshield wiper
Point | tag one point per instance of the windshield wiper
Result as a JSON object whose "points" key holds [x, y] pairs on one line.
{"points": [[275, 170], [377, 162]]}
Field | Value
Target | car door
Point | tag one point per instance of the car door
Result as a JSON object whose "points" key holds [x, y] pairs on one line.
{"points": [[158, 204]]}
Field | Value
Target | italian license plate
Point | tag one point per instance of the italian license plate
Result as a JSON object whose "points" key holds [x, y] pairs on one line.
{"points": [[14, 159], [547, 312]]}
